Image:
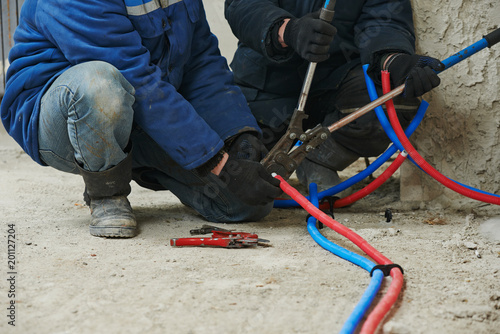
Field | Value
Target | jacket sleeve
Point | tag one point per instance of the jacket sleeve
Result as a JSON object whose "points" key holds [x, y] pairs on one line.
{"points": [[385, 26], [95, 30], [251, 22], [209, 86]]}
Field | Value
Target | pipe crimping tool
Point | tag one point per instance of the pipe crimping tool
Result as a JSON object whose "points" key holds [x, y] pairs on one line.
{"points": [[220, 238], [284, 158]]}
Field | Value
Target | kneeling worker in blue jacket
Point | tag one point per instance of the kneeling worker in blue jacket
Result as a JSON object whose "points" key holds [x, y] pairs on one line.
{"points": [[117, 90]]}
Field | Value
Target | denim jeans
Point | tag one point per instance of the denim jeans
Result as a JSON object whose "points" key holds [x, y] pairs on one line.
{"points": [[86, 117]]}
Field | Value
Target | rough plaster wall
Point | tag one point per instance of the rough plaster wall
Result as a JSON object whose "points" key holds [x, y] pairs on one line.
{"points": [[460, 135]]}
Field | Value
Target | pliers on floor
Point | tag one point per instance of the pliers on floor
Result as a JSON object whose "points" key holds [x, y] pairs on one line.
{"points": [[220, 238]]}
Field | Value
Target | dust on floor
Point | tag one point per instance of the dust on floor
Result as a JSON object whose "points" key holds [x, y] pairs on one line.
{"points": [[70, 282]]}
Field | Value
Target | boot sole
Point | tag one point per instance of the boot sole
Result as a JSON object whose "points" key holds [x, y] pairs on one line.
{"points": [[113, 232]]}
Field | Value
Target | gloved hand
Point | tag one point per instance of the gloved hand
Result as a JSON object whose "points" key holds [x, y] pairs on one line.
{"points": [[310, 37], [245, 177], [247, 146], [250, 182], [415, 71]]}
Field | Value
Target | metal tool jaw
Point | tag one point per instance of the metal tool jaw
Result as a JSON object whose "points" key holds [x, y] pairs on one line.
{"points": [[220, 238], [287, 154], [292, 148]]}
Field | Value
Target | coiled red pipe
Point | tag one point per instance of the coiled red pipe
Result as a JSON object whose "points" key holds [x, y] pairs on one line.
{"points": [[419, 160]]}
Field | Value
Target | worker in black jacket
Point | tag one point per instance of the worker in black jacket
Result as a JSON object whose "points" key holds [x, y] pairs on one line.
{"points": [[278, 39]]}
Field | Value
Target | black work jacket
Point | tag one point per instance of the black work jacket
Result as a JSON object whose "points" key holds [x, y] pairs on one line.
{"points": [[364, 28]]}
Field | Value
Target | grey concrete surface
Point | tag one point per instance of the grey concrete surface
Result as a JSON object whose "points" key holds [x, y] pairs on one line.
{"points": [[71, 282]]}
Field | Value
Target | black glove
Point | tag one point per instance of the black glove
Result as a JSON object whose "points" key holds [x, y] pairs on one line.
{"points": [[310, 37], [247, 146], [416, 72], [245, 177], [250, 182]]}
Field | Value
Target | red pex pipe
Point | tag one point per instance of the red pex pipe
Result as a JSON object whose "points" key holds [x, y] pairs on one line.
{"points": [[385, 304], [393, 167], [419, 160], [333, 224]]}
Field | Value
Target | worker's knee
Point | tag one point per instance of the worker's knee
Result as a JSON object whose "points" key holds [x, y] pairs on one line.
{"points": [[105, 93]]}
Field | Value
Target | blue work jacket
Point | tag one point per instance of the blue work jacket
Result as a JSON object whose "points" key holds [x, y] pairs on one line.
{"points": [[364, 28], [185, 97]]}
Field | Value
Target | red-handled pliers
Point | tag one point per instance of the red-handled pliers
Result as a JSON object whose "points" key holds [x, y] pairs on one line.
{"points": [[220, 238]]}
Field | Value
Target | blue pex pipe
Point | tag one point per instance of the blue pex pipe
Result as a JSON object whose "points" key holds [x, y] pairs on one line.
{"points": [[370, 293], [364, 303], [384, 121], [386, 155], [465, 53], [370, 169], [327, 244]]}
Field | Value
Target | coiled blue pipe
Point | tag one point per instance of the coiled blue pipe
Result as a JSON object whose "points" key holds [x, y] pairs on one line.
{"points": [[487, 41], [386, 125]]}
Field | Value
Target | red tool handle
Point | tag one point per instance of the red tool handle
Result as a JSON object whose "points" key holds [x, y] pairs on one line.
{"points": [[219, 242]]}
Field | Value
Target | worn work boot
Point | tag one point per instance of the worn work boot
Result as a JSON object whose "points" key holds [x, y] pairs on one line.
{"points": [[321, 166], [106, 195], [112, 217]]}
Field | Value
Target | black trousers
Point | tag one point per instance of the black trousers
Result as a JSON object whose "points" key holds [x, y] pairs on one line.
{"points": [[364, 136]]}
